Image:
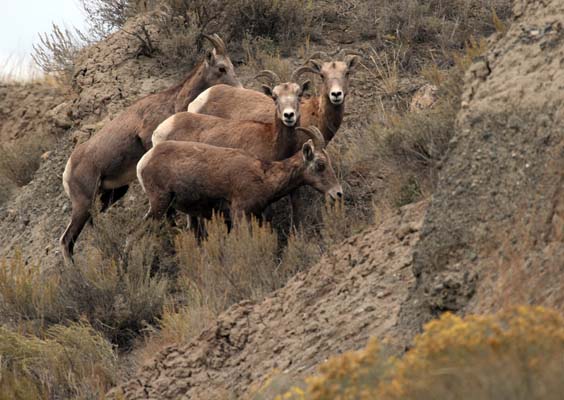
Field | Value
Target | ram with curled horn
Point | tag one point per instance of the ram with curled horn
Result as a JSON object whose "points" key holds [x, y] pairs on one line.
{"points": [[217, 42], [104, 166], [271, 140], [325, 111]]}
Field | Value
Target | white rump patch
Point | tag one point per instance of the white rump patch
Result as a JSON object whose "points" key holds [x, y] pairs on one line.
{"points": [[66, 177], [163, 130], [199, 102], [141, 165]]}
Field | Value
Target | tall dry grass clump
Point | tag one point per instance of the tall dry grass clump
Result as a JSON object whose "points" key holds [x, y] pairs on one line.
{"points": [[515, 354], [71, 361], [28, 295], [229, 267], [118, 297], [246, 263], [20, 159]]}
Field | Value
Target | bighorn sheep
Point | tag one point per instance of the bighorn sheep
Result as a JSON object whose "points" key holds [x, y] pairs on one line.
{"points": [[269, 141], [325, 111], [196, 178], [105, 164]]}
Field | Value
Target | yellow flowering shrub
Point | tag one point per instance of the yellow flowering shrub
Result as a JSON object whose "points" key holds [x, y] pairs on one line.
{"points": [[517, 354]]}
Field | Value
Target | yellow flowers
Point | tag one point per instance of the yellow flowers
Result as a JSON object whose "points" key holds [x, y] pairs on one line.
{"points": [[520, 350]]}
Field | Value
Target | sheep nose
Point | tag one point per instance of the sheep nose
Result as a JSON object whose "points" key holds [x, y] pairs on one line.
{"points": [[337, 94], [289, 114], [340, 195]]}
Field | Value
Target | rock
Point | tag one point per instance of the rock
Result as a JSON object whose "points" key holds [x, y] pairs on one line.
{"points": [[425, 98], [470, 258], [80, 136]]}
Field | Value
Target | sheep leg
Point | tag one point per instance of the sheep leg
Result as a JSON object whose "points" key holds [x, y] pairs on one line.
{"points": [[198, 227], [159, 205], [80, 215], [294, 207], [111, 196]]}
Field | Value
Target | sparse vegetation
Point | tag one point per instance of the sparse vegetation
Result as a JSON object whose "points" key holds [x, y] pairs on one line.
{"points": [[407, 148], [56, 51], [262, 53], [513, 354], [20, 158], [159, 286], [285, 22], [430, 28], [67, 362]]}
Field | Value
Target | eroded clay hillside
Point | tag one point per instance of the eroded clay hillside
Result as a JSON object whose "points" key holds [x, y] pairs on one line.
{"points": [[441, 213], [493, 236], [354, 293]]}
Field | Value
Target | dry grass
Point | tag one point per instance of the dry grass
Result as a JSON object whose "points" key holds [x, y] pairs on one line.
{"points": [[244, 264], [67, 362], [229, 267], [26, 294], [407, 148], [20, 158], [15, 69], [431, 27], [263, 53], [386, 68], [515, 354], [119, 298]]}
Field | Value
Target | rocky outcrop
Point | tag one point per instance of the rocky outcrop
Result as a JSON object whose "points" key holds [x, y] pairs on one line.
{"points": [[494, 231]]}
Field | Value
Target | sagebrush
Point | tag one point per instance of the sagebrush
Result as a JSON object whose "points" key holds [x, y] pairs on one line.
{"points": [[514, 354]]}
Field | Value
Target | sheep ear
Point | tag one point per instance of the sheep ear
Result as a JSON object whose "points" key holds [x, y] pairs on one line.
{"points": [[210, 57], [352, 62], [305, 87], [267, 90], [307, 150]]}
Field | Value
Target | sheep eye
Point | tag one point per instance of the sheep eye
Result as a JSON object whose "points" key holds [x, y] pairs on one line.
{"points": [[222, 70], [320, 167]]}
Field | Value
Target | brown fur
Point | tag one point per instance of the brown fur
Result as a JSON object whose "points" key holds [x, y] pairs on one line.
{"points": [[269, 141], [196, 178], [105, 164], [245, 104]]}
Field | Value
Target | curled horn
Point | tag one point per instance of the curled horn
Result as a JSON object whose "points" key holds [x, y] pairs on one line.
{"points": [[273, 79], [217, 42], [316, 55], [302, 70], [314, 134], [346, 52]]}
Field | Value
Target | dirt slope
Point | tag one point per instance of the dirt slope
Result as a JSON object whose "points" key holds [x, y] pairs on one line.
{"points": [[350, 295], [108, 78], [494, 233]]}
